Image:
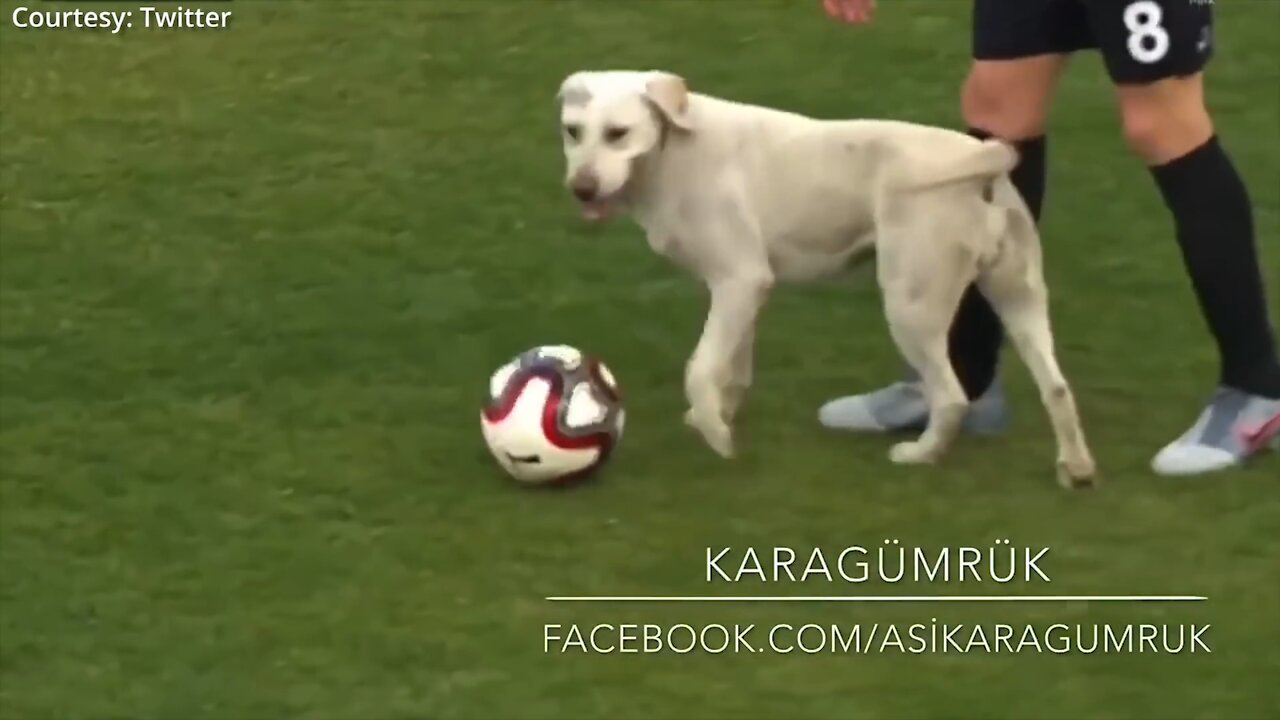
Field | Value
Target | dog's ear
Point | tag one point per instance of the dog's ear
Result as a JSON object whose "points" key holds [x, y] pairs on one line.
{"points": [[573, 91], [670, 95]]}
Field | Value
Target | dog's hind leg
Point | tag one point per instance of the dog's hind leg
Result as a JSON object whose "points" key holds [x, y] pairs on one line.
{"points": [[1016, 289], [922, 288]]}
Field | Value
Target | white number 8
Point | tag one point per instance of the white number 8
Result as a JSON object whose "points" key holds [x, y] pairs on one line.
{"points": [[1148, 40]]}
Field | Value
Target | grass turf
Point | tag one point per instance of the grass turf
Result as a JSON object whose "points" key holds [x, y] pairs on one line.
{"points": [[252, 282]]}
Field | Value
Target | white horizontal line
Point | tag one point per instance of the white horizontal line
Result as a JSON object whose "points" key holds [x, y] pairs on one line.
{"points": [[873, 598]]}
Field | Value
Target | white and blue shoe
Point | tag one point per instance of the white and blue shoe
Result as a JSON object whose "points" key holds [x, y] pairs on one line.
{"points": [[901, 407], [1232, 428]]}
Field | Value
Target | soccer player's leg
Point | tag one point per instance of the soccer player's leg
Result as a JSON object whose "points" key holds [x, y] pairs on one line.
{"points": [[1155, 51], [1020, 48]]}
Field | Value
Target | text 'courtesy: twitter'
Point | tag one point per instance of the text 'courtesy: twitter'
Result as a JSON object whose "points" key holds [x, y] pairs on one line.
{"points": [[144, 17]]}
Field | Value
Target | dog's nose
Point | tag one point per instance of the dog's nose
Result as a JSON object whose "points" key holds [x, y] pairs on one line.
{"points": [[584, 187]]}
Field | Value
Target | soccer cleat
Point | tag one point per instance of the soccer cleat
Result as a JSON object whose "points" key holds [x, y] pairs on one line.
{"points": [[1232, 428], [901, 407]]}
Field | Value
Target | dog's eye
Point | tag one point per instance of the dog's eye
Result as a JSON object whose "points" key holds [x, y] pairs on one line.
{"points": [[573, 131], [615, 134]]}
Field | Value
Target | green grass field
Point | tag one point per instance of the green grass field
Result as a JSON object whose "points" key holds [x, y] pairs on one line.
{"points": [[252, 283]]}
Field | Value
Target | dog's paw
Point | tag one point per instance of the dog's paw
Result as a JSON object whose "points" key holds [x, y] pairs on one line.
{"points": [[912, 452], [1077, 473], [720, 440], [716, 433]]}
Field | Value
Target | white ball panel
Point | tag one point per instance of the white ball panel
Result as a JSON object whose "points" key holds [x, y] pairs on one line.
{"points": [[499, 380], [519, 435], [556, 463], [584, 409], [607, 376], [570, 356]]}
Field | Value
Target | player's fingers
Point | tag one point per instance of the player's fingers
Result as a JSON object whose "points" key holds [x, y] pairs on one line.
{"points": [[855, 12], [862, 10], [839, 9]]}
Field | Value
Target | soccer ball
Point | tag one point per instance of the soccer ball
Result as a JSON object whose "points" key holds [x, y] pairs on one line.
{"points": [[553, 415]]}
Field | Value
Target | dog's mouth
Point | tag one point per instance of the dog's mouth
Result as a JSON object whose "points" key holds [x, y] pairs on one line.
{"points": [[597, 210], [603, 206]]}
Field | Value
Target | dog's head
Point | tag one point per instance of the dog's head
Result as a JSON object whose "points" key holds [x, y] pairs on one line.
{"points": [[609, 121]]}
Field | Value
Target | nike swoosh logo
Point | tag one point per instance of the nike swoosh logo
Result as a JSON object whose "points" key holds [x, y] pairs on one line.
{"points": [[1256, 437], [526, 459], [1206, 37]]}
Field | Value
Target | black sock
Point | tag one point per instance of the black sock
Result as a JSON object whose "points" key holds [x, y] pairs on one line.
{"points": [[1215, 232], [976, 333]]}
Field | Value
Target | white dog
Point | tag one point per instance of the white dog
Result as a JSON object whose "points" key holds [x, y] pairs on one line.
{"points": [[746, 196]]}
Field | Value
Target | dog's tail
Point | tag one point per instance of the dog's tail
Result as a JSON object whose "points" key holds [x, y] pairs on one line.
{"points": [[987, 159]]}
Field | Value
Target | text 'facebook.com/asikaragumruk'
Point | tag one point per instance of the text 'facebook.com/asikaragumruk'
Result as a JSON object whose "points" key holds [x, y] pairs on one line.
{"points": [[932, 637]]}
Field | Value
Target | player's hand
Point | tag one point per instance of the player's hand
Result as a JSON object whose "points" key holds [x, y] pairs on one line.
{"points": [[857, 12]]}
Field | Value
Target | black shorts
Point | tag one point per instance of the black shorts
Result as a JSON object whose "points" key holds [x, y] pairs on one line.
{"points": [[1141, 41]]}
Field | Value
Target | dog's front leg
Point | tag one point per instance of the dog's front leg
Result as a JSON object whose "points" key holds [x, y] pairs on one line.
{"points": [[716, 366], [743, 372]]}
